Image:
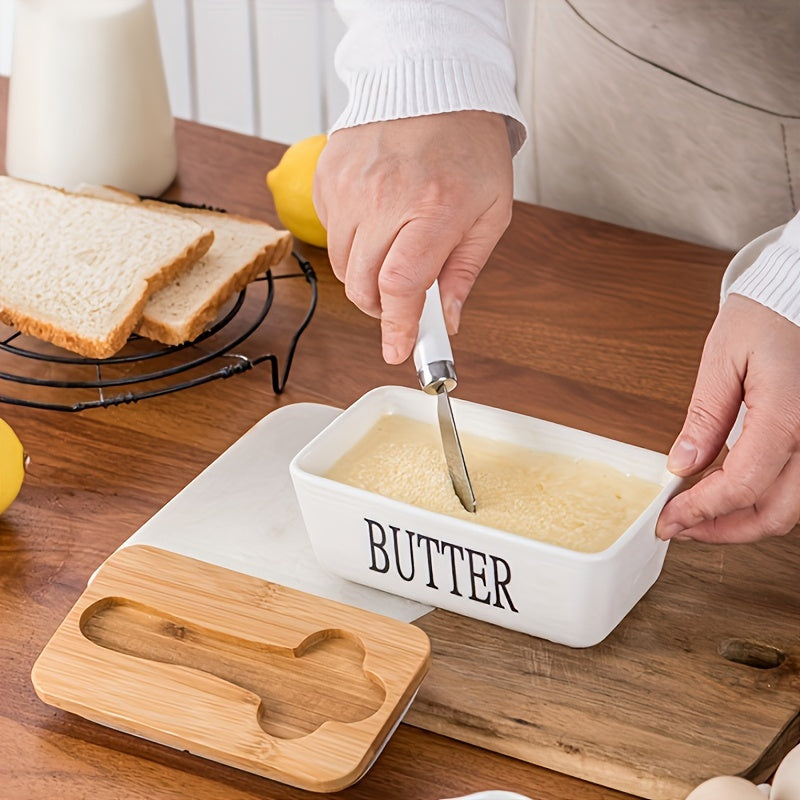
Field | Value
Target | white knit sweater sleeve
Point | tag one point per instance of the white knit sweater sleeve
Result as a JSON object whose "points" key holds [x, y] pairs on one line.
{"points": [[774, 277], [408, 58]]}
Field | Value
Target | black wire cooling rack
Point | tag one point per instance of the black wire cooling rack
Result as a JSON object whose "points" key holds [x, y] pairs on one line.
{"points": [[38, 375]]}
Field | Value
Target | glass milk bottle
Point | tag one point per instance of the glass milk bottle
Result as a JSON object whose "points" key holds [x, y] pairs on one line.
{"points": [[88, 100]]}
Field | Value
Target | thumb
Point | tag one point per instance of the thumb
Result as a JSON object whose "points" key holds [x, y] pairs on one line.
{"points": [[715, 403]]}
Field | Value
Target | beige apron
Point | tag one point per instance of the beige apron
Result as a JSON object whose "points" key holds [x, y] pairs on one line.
{"points": [[680, 117]]}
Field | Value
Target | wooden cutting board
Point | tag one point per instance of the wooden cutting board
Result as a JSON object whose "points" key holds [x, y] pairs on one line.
{"points": [[233, 668], [701, 679]]}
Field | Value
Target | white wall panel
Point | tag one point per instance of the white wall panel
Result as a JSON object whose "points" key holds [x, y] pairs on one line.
{"points": [[288, 62], [334, 94], [176, 51], [6, 35], [222, 64]]}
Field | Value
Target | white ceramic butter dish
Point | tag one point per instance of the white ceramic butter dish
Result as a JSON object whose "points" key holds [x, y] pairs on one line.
{"points": [[570, 597]]}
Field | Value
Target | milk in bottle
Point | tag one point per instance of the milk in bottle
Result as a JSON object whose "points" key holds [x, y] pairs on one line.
{"points": [[88, 98]]}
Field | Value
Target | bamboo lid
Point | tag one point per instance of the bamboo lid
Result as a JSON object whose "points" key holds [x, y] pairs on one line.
{"points": [[278, 682]]}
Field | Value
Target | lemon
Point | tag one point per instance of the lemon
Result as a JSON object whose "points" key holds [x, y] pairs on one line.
{"points": [[290, 183], [12, 465]]}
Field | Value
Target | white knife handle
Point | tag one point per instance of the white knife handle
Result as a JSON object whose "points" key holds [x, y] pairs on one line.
{"points": [[433, 356]]}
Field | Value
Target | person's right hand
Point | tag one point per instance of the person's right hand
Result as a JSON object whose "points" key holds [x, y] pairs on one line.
{"points": [[408, 201]]}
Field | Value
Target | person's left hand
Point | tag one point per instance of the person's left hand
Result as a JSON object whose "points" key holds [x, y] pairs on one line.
{"points": [[751, 354]]}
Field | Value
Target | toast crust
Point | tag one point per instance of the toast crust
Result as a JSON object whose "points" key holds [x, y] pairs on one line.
{"points": [[151, 325], [116, 338], [189, 304], [269, 255]]}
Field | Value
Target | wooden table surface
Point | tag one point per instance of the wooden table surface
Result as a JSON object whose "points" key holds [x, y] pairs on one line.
{"points": [[573, 320]]}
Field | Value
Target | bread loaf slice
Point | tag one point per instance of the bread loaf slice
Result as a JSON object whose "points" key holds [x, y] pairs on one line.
{"points": [[77, 271], [243, 249]]}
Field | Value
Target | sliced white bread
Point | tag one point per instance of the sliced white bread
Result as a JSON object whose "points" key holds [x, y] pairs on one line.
{"points": [[77, 271], [243, 249]]}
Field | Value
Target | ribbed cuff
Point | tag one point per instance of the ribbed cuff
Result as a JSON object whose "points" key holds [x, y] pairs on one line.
{"points": [[420, 88], [774, 280]]}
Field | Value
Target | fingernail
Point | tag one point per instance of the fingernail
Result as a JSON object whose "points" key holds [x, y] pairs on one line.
{"points": [[391, 353], [682, 456], [396, 350], [453, 316], [670, 531]]}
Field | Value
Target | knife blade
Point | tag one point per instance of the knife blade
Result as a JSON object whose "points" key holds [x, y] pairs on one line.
{"points": [[433, 358]]}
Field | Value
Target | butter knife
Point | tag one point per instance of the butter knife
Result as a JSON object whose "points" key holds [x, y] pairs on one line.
{"points": [[433, 358]]}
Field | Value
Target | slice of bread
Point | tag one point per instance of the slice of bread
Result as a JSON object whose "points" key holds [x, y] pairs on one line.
{"points": [[243, 249], [77, 271]]}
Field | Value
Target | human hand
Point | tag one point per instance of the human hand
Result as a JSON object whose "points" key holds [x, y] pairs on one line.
{"points": [[751, 354], [409, 200]]}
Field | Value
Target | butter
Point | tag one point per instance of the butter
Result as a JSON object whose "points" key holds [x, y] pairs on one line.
{"points": [[578, 504]]}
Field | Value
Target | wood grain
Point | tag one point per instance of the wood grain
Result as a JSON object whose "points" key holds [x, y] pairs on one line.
{"points": [[656, 708], [298, 689], [228, 667], [572, 320]]}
